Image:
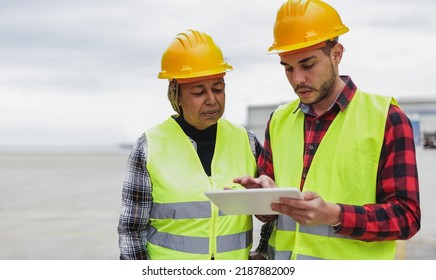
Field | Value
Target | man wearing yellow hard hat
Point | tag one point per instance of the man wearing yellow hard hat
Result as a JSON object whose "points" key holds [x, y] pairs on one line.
{"points": [[165, 214], [352, 153]]}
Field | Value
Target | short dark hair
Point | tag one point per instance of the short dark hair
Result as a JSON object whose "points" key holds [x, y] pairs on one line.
{"points": [[329, 45]]}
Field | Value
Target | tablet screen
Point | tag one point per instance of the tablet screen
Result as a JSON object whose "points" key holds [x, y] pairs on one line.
{"points": [[250, 201]]}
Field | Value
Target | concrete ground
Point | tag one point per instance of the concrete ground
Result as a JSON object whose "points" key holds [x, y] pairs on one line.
{"points": [[66, 206]]}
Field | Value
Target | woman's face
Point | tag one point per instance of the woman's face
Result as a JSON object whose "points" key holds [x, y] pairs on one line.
{"points": [[202, 102]]}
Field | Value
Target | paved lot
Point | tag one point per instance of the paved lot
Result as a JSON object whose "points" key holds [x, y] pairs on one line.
{"points": [[66, 207], [423, 244]]}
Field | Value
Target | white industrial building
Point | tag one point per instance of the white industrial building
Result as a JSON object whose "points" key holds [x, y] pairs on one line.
{"points": [[421, 111]]}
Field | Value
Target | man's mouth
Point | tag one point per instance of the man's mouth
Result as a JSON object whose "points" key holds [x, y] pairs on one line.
{"points": [[304, 90]]}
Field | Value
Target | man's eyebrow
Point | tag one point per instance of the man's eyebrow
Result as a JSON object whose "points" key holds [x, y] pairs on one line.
{"points": [[306, 59], [299, 62]]}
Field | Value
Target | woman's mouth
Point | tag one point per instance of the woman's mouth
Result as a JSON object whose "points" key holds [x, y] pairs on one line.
{"points": [[211, 114]]}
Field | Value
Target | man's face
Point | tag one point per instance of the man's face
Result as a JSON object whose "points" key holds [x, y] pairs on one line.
{"points": [[312, 75], [202, 102]]}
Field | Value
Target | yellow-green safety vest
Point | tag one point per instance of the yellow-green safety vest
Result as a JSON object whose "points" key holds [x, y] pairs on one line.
{"points": [[343, 170], [184, 224]]}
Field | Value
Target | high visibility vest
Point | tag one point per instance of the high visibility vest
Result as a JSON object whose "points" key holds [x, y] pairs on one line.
{"points": [[343, 170], [184, 224]]}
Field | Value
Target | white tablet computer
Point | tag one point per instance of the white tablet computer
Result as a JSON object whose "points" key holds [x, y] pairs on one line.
{"points": [[250, 201]]}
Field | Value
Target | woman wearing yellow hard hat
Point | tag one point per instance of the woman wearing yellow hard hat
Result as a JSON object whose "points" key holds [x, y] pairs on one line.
{"points": [[165, 214]]}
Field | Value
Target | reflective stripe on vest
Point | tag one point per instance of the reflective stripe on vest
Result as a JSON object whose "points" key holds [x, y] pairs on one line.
{"points": [[287, 223], [354, 139], [286, 255], [200, 245], [183, 222], [182, 210]]}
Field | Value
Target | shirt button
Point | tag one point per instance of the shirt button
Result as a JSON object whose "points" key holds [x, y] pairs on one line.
{"points": [[311, 147], [317, 121], [304, 175]]}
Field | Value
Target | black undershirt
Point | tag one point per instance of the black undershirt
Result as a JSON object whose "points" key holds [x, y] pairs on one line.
{"points": [[205, 140]]}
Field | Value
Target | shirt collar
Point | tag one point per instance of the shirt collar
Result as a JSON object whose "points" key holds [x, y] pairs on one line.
{"points": [[342, 101]]}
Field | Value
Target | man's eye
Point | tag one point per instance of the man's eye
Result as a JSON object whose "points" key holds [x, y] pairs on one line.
{"points": [[308, 66], [217, 90]]}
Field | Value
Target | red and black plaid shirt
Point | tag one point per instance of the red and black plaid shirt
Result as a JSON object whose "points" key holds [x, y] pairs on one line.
{"points": [[396, 213]]}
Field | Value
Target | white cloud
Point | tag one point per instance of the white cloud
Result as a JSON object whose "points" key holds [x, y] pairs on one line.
{"points": [[85, 72]]}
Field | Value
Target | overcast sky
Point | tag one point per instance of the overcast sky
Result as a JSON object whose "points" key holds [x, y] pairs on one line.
{"points": [[84, 72]]}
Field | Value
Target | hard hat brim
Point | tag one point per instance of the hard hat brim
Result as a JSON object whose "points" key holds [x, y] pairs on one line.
{"points": [[202, 78]]}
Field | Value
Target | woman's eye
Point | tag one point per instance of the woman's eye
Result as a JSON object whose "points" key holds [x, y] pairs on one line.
{"points": [[197, 92]]}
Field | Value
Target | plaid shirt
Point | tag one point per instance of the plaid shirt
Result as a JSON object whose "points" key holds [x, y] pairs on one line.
{"points": [[137, 200], [396, 213]]}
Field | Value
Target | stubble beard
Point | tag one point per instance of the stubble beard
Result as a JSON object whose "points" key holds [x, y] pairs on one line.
{"points": [[325, 89]]}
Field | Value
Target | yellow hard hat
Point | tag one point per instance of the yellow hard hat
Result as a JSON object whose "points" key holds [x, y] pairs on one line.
{"points": [[192, 54], [305, 23]]}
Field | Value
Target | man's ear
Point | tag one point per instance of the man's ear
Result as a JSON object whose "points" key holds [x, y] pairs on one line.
{"points": [[337, 52]]}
